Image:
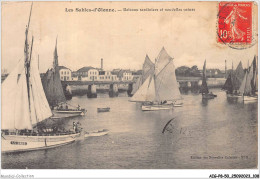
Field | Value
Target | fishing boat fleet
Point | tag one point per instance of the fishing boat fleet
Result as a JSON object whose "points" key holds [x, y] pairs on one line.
{"points": [[28, 100], [243, 83]]}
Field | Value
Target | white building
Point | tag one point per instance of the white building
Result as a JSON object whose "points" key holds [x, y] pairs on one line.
{"points": [[123, 75], [107, 76], [65, 73], [87, 74]]}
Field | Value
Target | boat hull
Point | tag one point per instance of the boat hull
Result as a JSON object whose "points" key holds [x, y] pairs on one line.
{"points": [[82, 113], [156, 107], [233, 96], [208, 96], [250, 98], [103, 109], [96, 133], [22, 143]]}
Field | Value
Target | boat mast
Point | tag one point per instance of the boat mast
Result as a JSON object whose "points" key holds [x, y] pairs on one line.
{"points": [[28, 60]]}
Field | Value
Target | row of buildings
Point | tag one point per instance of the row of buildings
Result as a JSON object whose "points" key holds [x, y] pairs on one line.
{"points": [[89, 73]]}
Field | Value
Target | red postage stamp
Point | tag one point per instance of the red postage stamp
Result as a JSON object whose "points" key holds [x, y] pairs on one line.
{"points": [[235, 22]]}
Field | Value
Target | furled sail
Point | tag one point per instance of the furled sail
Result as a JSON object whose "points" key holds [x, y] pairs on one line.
{"points": [[52, 84], [204, 87]]}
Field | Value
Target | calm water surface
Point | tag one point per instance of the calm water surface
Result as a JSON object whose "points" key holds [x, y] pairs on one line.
{"points": [[217, 133]]}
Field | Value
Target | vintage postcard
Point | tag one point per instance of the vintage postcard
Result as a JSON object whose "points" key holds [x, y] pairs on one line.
{"points": [[129, 85]]}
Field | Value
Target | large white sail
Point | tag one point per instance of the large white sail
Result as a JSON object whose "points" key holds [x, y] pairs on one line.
{"points": [[150, 94], [18, 114], [248, 87], [148, 68], [162, 60], [166, 85], [10, 88], [22, 119], [146, 92], [42, 109], [243, 85], [137, 85]]}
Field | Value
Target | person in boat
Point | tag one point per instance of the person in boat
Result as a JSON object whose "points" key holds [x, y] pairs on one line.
{"points": [[61, 107], [78, 107], [67, 107], [74, 127]]}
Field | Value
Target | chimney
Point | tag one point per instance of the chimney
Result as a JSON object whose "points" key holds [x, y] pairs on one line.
{"points": [[101, 63]]}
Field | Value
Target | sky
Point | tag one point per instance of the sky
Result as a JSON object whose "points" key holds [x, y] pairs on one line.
{"points": [[121, 38]]}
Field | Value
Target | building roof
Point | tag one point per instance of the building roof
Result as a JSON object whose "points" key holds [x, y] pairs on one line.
{"points": [[120, 72], [63, 67], [86, 69], [138, 72]]}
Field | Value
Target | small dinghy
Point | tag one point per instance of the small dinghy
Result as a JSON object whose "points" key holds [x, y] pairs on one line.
{"points": [[97, 133], [81, 112], [107, 109]]}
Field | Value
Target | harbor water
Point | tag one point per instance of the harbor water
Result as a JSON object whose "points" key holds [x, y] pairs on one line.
{"points": [[217, 133]]}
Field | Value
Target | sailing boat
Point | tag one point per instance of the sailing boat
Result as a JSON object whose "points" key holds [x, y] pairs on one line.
{"points": [[248, 86], [234, 81], [160, 90], [204, 87], [54, 90], [148, 69], [24, 106]]}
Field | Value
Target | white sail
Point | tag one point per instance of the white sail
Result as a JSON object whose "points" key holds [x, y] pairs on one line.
{"points": [[167, 87], [9, 92], [15, 104], [148, 68], [146, 92], [42, 109], [150, 94], [22, 119], [248, 87], [162, 60], [243, 85], [137, 85]]}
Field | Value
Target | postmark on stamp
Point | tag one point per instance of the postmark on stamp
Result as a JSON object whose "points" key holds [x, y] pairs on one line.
{"points": [[235, 23]]}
